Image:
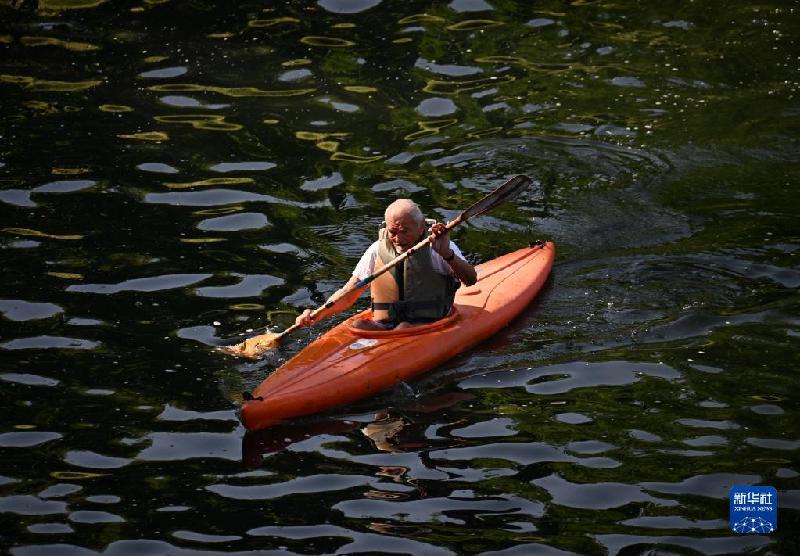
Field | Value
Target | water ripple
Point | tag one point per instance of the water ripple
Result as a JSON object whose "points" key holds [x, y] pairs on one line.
{"points": [[428, 510], [616, 543], [157, 167], [347, 6], [23, 504], [250, 285], [204, 537], [171, 413], [310, 484], [716, 485], [519, 453], [181, 446], [19, 310], [674, 522], [251, 166], [49, 342], [26, 439], [774, 443], [528, 549], [48, 529], [596, 496], [59, 490], [562, 378], [151, 284], [219, 197], [93, 460], [487, 429], [94, 516], [234, 222]]}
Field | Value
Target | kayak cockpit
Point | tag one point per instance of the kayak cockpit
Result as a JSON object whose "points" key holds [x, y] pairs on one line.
{"points": [[451, 319]]}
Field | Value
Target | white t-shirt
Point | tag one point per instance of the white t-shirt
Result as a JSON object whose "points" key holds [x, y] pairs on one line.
{"points": [[366, 265]]}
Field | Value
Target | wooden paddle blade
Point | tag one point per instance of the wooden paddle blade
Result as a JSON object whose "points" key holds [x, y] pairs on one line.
{"points": [[255, 347], [505, 192]]}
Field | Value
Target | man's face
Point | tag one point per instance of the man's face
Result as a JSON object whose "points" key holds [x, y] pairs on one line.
{"points": [[403, 231]]}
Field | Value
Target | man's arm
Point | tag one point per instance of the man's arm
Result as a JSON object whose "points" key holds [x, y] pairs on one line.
{"points": [[342, 299], [363, 268], [464, 271]]}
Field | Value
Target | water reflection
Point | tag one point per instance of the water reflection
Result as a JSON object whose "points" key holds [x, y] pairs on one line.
{"points": [[26, 439], [175, 174], [151, 284], [48, 342], [20, 310]]}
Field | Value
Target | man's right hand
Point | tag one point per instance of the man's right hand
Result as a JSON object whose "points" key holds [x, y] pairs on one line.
{"points": [[304, 318]]}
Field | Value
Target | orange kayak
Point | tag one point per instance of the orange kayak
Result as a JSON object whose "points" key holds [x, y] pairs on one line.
{"points": [[346, 364]]}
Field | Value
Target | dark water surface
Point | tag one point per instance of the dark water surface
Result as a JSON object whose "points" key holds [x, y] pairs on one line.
{"points": [[174, 174]]}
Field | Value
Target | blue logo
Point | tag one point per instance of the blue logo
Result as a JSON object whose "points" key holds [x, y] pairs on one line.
{"points": [[754, 510]]}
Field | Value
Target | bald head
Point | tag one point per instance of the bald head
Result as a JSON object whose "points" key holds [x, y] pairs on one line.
{"points": [[405, 224], [405, 209]]}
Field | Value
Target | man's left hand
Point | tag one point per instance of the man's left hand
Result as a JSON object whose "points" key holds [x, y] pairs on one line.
{"points": [[440, 239]]}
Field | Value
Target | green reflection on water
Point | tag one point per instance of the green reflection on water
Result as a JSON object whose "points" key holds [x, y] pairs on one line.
{"points": [[44, 85], [263, 23], [235, 92], [327, 42], [474, 25]]}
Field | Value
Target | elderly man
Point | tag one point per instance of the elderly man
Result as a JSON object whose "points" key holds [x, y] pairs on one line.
{"points": [[419, 291]]}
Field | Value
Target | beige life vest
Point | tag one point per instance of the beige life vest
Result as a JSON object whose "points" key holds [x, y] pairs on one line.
{"points": [[413, 291]]}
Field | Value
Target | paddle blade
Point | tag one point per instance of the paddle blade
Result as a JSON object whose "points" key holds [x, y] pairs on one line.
{"points": [[255, 347], [505, 192]]}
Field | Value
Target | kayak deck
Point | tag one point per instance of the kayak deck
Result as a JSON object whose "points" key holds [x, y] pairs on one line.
{"points": [[347, 364]]}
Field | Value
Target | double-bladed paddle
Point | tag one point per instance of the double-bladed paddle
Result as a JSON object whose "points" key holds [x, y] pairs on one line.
{"points": [[256, 346]]}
